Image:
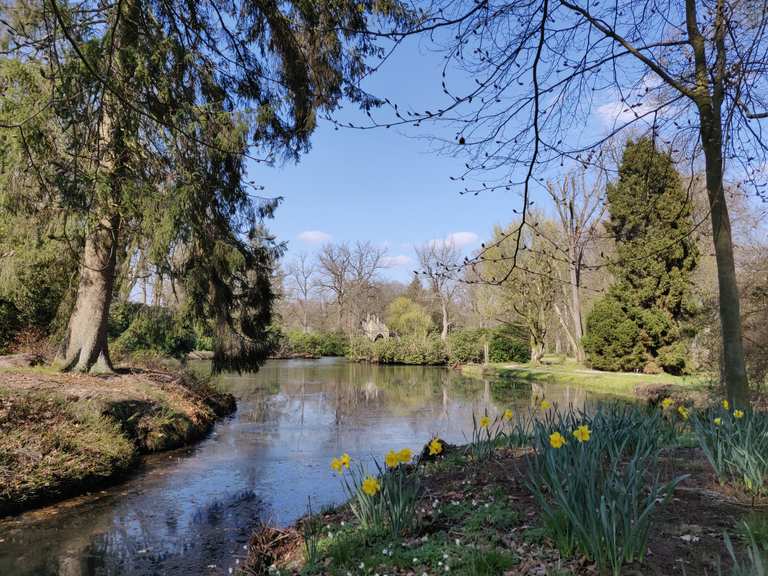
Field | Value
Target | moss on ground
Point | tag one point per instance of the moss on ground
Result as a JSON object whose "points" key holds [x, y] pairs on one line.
{"points": [[65, 434]]}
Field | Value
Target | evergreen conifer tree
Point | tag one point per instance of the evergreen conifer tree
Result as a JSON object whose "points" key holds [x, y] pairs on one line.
{"points": [[639, 324]]}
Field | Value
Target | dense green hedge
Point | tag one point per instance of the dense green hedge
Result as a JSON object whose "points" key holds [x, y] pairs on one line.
{"points": [[313, 344], [505, 344], [411, 349], [463, 347]]}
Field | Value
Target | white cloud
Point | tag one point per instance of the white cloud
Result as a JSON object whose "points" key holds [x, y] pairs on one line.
{"points": [[457, 239], [396, 261], [618, 113], [314, 236], [638, 103]]}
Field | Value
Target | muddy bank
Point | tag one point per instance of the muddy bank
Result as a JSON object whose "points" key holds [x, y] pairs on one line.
{"points": [[65, 434]]}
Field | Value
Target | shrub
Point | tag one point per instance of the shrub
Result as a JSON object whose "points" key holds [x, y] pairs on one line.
{"points": [[673, 359], [313, 344], [613, 340], [508, 344], [505, 344], [413, 349], [465, 346], [155, 329], [9, 324]]}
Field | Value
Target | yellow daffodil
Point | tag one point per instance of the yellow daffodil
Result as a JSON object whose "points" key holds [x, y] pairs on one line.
{"points": [[683, 411], [405, 455], [545, 405], [370, 486], [435, 447], [666, 403], [345, 460], [557, 440], [391, 459], [738, 414], [507, 415], [582, 433], [718, 421], [726, 405], [485, 422], [336, 465]]}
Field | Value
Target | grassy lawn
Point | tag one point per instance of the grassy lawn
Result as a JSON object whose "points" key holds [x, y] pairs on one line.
{"points": [[557, 370]]}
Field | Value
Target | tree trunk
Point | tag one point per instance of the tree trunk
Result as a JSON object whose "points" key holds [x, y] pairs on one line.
{"points": [[85, 345], [446, 322], [734, 366], [568, 331], [537, 351], [709, 98], [574, 269]]}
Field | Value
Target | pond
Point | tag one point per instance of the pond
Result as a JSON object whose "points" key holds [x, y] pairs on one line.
{"points": [[191, 511]]}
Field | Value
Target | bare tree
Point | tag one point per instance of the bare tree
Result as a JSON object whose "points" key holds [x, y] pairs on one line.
{"points": [[692, 73], [366, 263], [528, 291], [579, 207], [335, 263], [300, 277], [438, 261], [349, 273]]}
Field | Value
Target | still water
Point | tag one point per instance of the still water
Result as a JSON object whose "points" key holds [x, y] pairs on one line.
{"points": [[190, 511]]}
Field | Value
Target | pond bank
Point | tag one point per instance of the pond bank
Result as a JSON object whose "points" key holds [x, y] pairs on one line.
{"points": [[62, 435], [482, 519], [625, 384]]}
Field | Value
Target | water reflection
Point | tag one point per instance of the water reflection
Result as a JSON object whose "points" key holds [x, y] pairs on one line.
{"points": [[191, 511]]}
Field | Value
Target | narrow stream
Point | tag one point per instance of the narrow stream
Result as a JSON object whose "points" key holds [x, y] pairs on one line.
{"points": [[191, 511]]}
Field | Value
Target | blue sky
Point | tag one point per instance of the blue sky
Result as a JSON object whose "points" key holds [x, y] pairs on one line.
{"points": [[387, 186]]}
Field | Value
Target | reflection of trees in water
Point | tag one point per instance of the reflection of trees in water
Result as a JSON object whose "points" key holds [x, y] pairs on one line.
{"points": [[214, 534]]}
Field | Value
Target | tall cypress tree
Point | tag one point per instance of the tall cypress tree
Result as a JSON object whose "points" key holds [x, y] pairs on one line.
{"points": [[639, 324]]}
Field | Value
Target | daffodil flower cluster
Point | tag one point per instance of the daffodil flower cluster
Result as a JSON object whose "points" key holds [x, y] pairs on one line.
{"points": [[339, 464], [394, 459], [582, 434]]}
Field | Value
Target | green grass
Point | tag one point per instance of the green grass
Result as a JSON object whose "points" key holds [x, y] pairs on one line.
{"points": [[351, 550], [555, 370]]}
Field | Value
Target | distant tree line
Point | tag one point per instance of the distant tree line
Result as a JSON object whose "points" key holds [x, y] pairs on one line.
{"points": [[615, 272]]}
